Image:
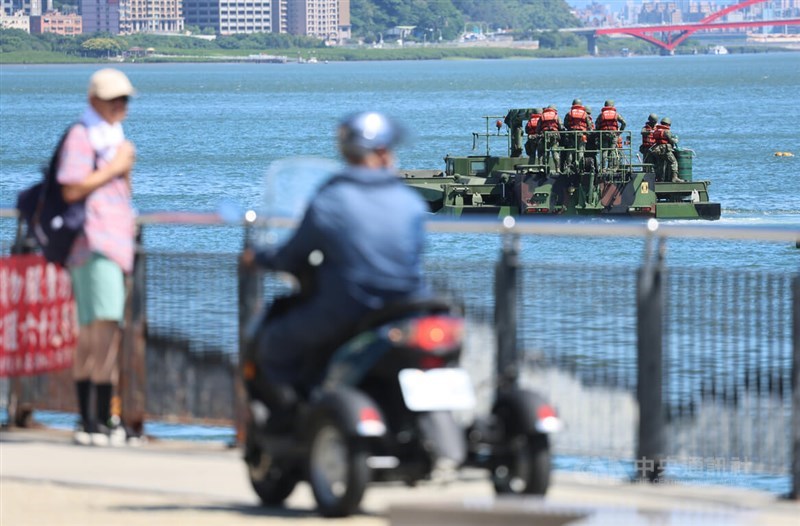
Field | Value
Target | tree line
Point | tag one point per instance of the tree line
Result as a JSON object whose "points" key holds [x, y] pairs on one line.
{"points": [[448, 19]]}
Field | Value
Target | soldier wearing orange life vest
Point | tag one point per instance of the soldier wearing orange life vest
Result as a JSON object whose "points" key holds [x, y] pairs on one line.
{"points": [[549, 128], [610, 122], [648, 141], [531, 129], [663, 151], [577, 121]]}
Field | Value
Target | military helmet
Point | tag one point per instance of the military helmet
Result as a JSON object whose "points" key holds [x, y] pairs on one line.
{"points": [[588, 109], [609, 103], [537, 111], [550, 107], [666, 120], [364, 132], [577, 102], [652, 118]]}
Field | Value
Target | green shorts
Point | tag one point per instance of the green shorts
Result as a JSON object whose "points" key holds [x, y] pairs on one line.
{"points": [[99, 289]]}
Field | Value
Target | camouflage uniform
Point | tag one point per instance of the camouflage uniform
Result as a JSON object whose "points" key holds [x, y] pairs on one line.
{"points": [[647, 136], [663, 151], [610, 123], [532, 144], [549, 128], [576, 120]]}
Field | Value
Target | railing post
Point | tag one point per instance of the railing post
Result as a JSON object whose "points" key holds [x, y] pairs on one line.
{"points": [[250, 298], [651, 452], [505, 310], [796, 388], [133, 356]]}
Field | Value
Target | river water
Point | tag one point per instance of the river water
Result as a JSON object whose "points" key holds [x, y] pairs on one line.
{"points": [[207, 133]]}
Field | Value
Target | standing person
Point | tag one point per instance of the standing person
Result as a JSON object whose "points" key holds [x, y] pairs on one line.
{"points": [[610, 123], [95, 164], [578, 122], [549, 128], [664, 151], [648, 141], [590, 153], [365, 228], [531, 127]]}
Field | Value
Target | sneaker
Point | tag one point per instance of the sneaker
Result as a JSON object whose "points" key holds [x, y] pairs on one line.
{"points": [[100, 437], [110, 435], [80, 436]]}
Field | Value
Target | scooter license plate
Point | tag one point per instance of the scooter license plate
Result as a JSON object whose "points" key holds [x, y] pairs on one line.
{"points": [[447, 389]]}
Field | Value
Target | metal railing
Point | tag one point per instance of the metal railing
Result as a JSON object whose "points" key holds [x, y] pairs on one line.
{"points": [[654, 366]]}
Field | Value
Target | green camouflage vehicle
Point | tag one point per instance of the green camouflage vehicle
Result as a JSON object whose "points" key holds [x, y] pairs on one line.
{"points": [[568, 179]]}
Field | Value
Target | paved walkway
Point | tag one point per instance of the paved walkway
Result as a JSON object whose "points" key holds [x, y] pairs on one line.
{"points": [[44, 479]]}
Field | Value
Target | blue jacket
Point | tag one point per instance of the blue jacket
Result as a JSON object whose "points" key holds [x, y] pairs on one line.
{"points": [[369, 227]]}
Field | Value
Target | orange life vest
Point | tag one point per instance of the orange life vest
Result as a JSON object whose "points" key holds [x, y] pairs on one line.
{"points": [[648, 137], [533, 124], [576, 119], [608, 118], [549, 120], [659, 135]]}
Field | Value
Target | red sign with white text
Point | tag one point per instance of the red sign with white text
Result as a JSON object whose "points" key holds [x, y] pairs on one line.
{"points": [[38, 318]]}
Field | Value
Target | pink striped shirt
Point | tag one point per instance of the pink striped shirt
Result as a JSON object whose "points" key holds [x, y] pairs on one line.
{"points": [[110, 223]]}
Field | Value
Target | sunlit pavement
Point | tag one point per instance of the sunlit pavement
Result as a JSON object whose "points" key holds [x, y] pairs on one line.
{"points": [[45, 479]]}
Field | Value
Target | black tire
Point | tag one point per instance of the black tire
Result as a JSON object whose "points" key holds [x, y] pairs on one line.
{"points": [[337, 468], [525, 467], [273, 481]]}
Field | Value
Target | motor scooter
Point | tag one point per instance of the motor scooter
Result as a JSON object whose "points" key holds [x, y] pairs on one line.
{"points": [[384, 409]]}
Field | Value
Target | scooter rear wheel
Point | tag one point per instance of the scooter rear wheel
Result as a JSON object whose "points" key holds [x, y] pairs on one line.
{"points": [[272, 480], [525, 468], [337, 468]]}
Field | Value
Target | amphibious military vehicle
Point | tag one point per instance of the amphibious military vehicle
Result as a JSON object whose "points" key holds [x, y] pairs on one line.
{"points": [[578, 173]]}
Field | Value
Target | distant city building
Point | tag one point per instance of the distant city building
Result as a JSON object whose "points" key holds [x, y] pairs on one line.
{"points": [[58, 23], [325, 19], [100, 16], [18, 20], [227, 17], [150, 16], [280, 16]]}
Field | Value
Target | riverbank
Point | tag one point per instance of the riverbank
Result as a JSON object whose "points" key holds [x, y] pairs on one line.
{"points": [[324, 55]]}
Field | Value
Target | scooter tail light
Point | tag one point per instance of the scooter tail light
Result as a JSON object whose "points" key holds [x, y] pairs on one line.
{"points": [[547, 420], [434, 333], [370, 422]]}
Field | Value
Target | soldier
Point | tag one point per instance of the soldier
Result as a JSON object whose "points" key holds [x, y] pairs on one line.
{"points": [[590, 154], [647, 136], [578, 122], [610, 123], [532, 144], [515, 120], [663, 151], [548, 128]]}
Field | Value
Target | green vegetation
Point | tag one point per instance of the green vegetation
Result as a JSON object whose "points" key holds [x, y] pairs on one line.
{"points": [[440, 20]]}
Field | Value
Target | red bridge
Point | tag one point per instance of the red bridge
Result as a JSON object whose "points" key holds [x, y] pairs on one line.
{"points": [[677, 33]]}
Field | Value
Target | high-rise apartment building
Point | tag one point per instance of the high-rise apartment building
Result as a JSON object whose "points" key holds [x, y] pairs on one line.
{"points": [[100, 16], [326, 19], [151, 16], [232, 16], [26, 7]]}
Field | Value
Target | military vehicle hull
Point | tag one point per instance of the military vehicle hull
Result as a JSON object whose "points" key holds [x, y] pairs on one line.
{"points": [[591, 182]]}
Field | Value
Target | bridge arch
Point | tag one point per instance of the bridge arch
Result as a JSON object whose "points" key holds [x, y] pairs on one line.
{"points": [[680, 32]]}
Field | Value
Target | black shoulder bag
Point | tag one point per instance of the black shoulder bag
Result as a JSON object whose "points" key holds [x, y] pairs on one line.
{"points": [[53, 223]]}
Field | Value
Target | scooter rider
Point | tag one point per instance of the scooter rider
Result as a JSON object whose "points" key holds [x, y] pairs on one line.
{"points": [[364, 234]]}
